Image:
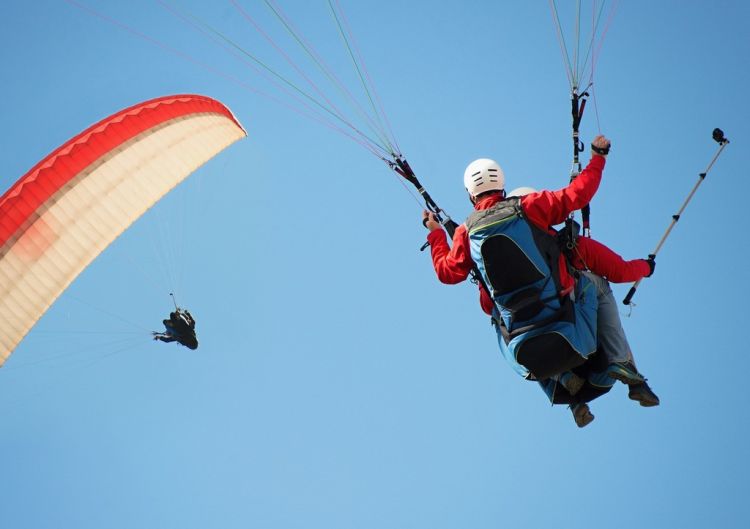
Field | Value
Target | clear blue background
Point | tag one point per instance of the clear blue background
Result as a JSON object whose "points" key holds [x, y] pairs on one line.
{"points": [[338, 384]]}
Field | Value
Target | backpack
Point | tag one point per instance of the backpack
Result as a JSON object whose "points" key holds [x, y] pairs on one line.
{"points": [[540, 332]]}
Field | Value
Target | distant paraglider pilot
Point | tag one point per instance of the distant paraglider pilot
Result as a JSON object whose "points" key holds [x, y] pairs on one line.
{"points": [[180, 327]]}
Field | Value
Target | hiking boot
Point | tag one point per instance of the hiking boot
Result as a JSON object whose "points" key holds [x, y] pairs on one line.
{"points": [[571, 382], [643, 394], [582, 415], [625, 372]]}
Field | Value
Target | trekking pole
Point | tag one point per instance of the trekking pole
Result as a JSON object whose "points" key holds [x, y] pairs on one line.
{"points": [[174, 301], [718, 136]]}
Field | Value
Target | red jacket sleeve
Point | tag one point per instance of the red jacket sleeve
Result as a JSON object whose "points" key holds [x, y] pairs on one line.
{"points": [[547, 208], [452, 265], [604, 262]]}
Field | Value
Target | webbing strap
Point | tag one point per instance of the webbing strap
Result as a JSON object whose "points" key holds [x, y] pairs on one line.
{"points": [[578, 105]]}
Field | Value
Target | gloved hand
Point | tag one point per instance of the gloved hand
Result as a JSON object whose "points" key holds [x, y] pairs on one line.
{"points": [[651, 264], [600, 146]]}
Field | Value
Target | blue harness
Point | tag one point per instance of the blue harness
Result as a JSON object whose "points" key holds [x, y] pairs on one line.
{"points": [[540, 333]]}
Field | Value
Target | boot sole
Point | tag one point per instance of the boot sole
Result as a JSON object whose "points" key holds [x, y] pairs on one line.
{"points": [[583, 416], [645, 401]]}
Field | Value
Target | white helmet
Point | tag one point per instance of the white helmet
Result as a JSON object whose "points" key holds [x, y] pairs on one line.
{"points": [[521, 191], [483, 175]]}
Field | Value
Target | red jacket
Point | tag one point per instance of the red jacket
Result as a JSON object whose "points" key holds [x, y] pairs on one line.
{"points": [[544, 209]]}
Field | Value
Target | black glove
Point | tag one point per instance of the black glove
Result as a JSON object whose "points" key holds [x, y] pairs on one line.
{"points": [[601, 150], [651, 264]]}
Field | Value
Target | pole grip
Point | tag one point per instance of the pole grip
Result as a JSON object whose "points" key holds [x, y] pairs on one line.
{"points": [[630, 295]]}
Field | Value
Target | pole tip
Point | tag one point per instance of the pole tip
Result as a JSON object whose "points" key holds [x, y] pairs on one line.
{"points": [[718, 136]]}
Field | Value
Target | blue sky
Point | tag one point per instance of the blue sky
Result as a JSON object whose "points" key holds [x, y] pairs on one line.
{"points": [[338, 384]]}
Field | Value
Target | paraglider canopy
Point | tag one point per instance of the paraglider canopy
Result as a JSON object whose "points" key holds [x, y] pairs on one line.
{"points": [[71, 205]]}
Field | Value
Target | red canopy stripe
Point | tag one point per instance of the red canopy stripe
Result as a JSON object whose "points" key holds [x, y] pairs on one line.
{"points": [[46, 178]]}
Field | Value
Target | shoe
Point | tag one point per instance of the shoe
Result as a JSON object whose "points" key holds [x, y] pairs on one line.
{"points": [[571, 382], [582, 415], [625, 372], [643, 394]]}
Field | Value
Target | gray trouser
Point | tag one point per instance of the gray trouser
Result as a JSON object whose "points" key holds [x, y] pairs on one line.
{"points": [[610, 334]]}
